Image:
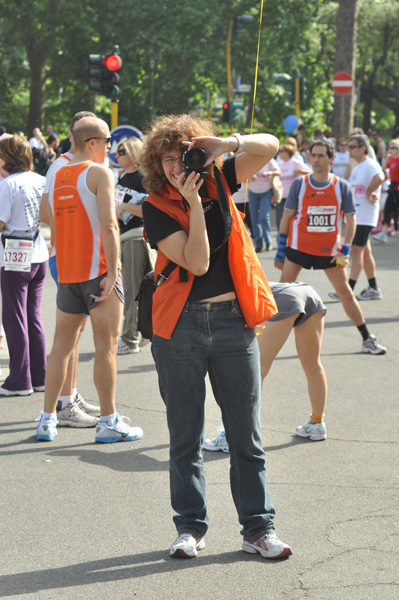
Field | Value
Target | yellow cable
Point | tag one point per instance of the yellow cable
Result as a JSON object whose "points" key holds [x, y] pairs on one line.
{"points": [[257, 64], [255, 82]]}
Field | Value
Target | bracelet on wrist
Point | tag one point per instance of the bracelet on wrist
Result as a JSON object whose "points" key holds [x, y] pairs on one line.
{"points": [[240, 141], [345, 249]]}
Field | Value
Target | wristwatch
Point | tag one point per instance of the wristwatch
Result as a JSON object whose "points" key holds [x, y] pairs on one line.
{"points": [[240, 141]]}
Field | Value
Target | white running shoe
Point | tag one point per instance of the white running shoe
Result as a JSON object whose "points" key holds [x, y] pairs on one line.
{"points": [[186, 546], [46, 429], [88, 408], [73, 416], [370, 294], [268, 546], [217, 443], [120, 431], [372, 346], [10, 393], [125, 349], [381, 237], [314, 431]]}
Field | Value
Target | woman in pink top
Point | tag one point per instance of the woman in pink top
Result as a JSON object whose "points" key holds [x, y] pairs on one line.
{"points": [[291, 166]]}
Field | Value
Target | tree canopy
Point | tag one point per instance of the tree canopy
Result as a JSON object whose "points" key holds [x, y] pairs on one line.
{"points": [[44, 48]]}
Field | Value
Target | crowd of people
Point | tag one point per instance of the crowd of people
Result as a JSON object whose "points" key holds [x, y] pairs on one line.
{"points": [[208, 311]]}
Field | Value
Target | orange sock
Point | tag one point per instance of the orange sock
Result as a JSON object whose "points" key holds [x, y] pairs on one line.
{"points": [[314, 419]]}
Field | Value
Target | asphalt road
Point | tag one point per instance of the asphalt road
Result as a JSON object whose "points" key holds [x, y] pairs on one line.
{"points": [[82, 521]]}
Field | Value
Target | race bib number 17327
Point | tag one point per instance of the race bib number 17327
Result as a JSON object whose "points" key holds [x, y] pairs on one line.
{"points": [[18, 255]]}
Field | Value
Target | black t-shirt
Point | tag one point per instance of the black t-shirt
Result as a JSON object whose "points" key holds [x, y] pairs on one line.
{"points": [[126, 183], [158, 225]]}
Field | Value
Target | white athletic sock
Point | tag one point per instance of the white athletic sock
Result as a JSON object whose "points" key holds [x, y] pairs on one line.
{"points": [[74, 392], [109, 419], [50, 416], [63, 402]]}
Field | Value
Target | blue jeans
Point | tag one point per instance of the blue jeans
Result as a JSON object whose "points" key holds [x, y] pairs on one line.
{"points": [[259, 205], [213, 338]]}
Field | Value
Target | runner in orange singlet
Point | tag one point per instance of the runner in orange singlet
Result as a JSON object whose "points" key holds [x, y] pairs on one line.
{"points": [[86, 234], [310, 231]]}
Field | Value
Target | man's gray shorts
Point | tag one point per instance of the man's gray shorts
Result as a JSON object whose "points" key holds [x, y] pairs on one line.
{"points": [[294, 298], [75, 299]]}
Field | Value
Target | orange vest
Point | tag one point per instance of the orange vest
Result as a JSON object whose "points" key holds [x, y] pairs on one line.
{"points": [[316, 226], [80, 252], [251, 286], [52, 247]]}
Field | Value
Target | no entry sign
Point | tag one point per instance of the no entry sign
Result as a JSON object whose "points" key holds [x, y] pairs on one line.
{"points": [[342, 83]]}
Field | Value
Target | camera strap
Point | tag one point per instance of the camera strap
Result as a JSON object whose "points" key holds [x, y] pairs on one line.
{"points": [[224, 207], [223, 203]]}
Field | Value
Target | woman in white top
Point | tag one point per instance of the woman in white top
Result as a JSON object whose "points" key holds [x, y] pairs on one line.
{"points": [[23, 259], [260, 199], [291, 166]]}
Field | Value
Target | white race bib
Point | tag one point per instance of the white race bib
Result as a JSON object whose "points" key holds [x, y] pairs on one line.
{"points": [[321, 218], [18, 255]]}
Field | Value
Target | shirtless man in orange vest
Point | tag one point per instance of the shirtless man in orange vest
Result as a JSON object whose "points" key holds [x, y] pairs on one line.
{"points": [[310, 233], [86, 235]]}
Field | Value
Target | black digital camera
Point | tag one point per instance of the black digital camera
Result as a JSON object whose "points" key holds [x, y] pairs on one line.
{"points": [[194, 160]]}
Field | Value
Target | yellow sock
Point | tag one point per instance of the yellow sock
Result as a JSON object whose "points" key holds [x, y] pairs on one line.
{"points": [[314, 419]]}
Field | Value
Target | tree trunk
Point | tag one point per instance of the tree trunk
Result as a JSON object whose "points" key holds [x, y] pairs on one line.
{"points": [[367, 98], [36, 98], [345, 60]]}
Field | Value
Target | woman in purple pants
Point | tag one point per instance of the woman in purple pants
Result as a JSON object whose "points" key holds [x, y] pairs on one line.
{"points": [[23, 260]]}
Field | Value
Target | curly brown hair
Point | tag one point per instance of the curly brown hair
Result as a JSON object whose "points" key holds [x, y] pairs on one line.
{"points": [[167, 133], [17, 154]]}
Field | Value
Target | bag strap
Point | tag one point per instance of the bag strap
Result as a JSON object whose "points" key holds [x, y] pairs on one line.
{"points": [[227, 223], [5, 237], [165, 274], [224, 207]]}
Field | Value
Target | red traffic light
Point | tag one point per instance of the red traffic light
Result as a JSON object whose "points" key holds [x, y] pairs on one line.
{"points": [[112, 62], [225, 106]]}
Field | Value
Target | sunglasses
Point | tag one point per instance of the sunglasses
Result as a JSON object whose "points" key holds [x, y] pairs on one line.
{"points": [[104, 137], [351, 147], [121, 152], [393, 148]]}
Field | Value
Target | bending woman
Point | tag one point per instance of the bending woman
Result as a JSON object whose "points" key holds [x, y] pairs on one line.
{"points": [[203, 319], [300, 308]]}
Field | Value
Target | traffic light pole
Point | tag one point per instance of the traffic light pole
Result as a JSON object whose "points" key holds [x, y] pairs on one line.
{"points": [[228, 65], [114, 114], [297, 94]]}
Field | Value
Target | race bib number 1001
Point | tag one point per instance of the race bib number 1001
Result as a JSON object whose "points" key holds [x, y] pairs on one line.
{"points": [[18, 255], [321, 218]]}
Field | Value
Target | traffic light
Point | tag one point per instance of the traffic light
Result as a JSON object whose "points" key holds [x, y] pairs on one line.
{"points": [[303, 89], [104, 73], [288, 84], [112, 65], [240, 22], [234, 107], [96, 72], [226, 112]]}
